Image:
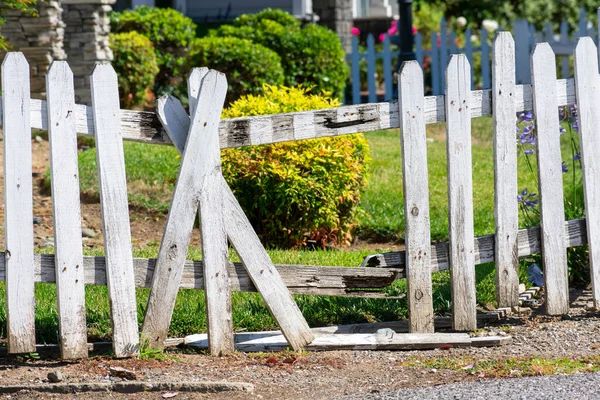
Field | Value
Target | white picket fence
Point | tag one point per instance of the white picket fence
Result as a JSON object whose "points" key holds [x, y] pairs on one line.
{"points": [[443, 45], [201, 189]]}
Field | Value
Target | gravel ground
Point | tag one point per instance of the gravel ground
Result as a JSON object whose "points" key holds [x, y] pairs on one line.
{"points": [[328, 375], [580, 386]]}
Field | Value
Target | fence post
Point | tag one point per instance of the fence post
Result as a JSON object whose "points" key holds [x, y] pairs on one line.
{"points": [[565, 66], [435, 65], [68, 244], [371, 68], [552, 212], [355, 71], [460, 193], [521, 35], [485, 60], [469, 54], [387, 68], [18, 204], [587, 87], [443, 54], [115, 210], [506, 211], [416, 198]]}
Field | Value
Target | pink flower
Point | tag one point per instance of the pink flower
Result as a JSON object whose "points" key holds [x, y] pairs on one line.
{"points": [[393, 29], [414, 30], [381, 37], [355, 31]]}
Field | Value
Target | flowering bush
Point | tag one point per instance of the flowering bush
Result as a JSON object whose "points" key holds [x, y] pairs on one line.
{"points": [[297, 191]]}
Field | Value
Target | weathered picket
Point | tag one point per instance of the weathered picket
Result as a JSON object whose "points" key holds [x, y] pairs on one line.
{"points": [[65, 202], [201, 189], [115, 210], [460, 193], [416, 198], [506, 212], [443, 44]]}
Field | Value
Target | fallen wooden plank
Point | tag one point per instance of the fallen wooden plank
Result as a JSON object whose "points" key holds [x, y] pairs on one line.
{"points": [[300, 279], [325, 341], [142, 126], [529, 243]]}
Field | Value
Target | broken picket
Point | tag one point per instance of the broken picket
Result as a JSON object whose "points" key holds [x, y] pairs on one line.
{"points": [[255, 259]]}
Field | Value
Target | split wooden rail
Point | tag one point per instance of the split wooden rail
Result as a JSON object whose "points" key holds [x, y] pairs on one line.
{"points": [[202, 190]]}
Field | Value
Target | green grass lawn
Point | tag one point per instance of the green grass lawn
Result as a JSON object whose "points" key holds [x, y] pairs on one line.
{"points": [[382, 201]]}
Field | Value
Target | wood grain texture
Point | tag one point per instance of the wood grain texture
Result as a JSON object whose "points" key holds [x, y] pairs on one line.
{"points": [[274, 341], [213, 88], [67, 212], [506, 212], [587, 86], [180, 222], [529, 242], [143, 126], [416, 198], [543, 75], [18, 204], [115, 210], [300, 279], [460, 193], [260, 268]]}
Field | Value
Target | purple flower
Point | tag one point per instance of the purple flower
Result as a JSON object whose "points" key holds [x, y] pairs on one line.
{"points": [[562, 130], [577, 157], [526, 117], [564, 167], [530, 151], [575, 125], [524, 192]]}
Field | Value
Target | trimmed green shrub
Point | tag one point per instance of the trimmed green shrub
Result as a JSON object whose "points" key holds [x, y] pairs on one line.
{"points": [[296, 191], [171, 33], [247, 65], [136, 65], [312, 56]]}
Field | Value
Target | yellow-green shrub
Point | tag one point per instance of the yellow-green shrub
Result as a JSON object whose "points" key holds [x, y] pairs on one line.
{"points": [[296, 191], [136, 66]]}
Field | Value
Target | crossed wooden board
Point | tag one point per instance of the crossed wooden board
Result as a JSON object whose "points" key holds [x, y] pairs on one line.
{"points": [[201, 188]]}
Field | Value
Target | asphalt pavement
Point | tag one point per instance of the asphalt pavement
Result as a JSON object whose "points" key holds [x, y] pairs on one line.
{"points": [[555, 387]]}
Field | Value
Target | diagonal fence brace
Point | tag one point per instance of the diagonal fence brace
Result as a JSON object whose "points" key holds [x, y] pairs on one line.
{"points": [[261, 270]]}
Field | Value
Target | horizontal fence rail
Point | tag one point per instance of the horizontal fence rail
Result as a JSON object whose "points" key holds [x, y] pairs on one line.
{"points": [[144, 126]]}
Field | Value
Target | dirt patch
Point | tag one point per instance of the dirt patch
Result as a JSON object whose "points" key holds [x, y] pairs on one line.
{"points": [[327, 375], [146, 227]]}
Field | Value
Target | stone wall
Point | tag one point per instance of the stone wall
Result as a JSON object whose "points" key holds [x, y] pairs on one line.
{"points": [[337, 16], [72, 30], [86, 40], [40, 39]]}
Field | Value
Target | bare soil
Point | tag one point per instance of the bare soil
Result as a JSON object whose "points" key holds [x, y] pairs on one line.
{"points": [[326, 375], [146, 227]]}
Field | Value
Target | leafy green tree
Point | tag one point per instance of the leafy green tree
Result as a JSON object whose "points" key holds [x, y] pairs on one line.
{"points": [[537, 12], [27, 6]]}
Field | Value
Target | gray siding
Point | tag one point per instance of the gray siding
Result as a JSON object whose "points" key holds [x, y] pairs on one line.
{"points": [[201, 9]]}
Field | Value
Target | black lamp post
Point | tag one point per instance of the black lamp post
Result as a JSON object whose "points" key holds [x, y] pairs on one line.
{"points": [[406, 39]]}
